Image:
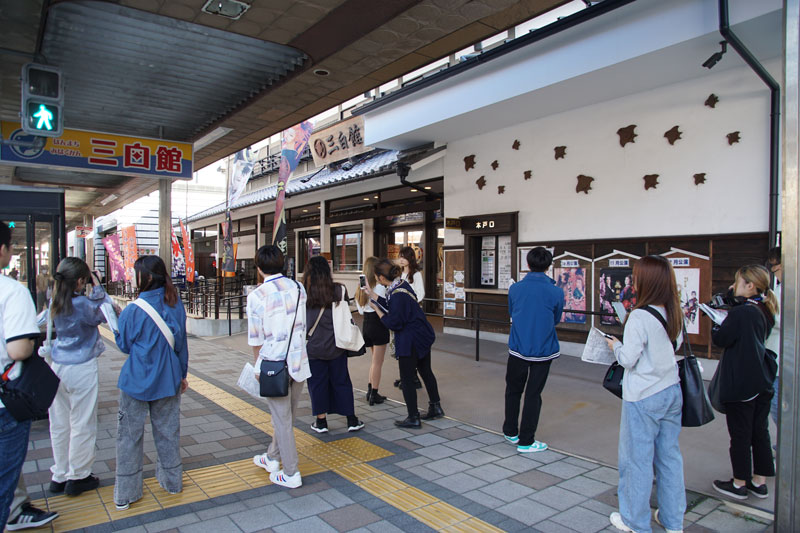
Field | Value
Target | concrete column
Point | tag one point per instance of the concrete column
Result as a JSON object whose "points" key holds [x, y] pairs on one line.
{"points": [[165, 222], [367, 241], [324, 231]]}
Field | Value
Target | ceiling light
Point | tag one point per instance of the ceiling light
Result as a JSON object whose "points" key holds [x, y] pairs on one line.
{"points": [[322, 72], [427, 187], [366, 199], [209, 138], [232, 9], [109, 198], [413, 190], [305, 210], [376, 196]]}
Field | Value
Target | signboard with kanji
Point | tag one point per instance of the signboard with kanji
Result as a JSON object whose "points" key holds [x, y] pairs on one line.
{"points": [[340, 141], [100, 152], [81, 232]]}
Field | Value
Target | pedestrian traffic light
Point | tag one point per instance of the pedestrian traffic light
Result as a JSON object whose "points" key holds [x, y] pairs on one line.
{"points": [[42, 100]]}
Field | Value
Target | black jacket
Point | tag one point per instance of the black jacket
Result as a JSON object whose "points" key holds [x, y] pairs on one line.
{"points": [[744, 371]]}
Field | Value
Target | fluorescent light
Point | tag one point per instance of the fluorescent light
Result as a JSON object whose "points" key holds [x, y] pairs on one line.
{"points": [[413, 190], [427, 187], [210, 137], [366, 199], [109, 198]]}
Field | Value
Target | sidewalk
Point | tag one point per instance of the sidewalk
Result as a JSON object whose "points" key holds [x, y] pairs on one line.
{"points": [[451, 475]]}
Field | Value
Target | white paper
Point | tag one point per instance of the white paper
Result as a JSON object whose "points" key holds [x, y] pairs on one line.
{"points": [[248, 382], [596, 349], [619, 309], [503, 261], [450, 306], [460, 293], [458, 276], [487, 267], [487, 243], [111, 315], [717, 315], [449, 287]]}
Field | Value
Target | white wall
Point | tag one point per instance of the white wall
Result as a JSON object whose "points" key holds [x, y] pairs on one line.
{"points": [[618, 206]]}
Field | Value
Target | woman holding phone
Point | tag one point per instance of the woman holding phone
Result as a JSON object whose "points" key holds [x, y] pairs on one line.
{"points": [[376, 335], [651, 402]]}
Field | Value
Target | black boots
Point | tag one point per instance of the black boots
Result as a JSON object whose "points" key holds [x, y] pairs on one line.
{"points": [[411, 422], [369, 390], [372, 395], [434, 411]]}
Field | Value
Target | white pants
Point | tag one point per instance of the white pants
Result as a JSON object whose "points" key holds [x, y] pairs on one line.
{"points": [[73, 421]]}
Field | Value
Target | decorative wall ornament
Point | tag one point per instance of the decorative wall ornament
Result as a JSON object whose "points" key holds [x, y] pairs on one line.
{"points": [[650, 181], [627, 135], [527, 175], [584, 184], [495, 164], [469, 162], [733, 137], [699, 178], [673, 134], [501, 189], [561, 151], [516, 145], [712, 100], [481, 182]]}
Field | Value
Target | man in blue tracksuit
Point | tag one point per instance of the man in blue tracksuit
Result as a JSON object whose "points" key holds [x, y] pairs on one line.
{"points": [[535, 305]]}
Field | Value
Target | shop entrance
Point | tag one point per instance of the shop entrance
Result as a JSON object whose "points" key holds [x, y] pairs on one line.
{"points": [[38, 237]]}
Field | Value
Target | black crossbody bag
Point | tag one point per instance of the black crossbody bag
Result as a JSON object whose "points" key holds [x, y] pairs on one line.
{"points": [[274, 378]]}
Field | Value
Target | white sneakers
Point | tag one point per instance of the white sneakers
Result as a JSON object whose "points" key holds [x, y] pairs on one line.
{"points": [[616, 521], [292, 482], [266, 463], [276, 475]]}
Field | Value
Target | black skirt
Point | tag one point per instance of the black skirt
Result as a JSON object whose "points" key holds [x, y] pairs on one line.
{"points": [[375, 333]]}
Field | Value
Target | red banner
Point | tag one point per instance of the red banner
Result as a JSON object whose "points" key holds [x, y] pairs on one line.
{"points": [[130, 249], [188, 253], [114, 257], [178, 266]]}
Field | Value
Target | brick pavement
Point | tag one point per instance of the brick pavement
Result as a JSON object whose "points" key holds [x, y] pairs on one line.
{"points": [[459, 474]]}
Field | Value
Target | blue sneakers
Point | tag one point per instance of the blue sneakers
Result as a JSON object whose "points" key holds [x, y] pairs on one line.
{"points": [[512, 440], [535, 447]]}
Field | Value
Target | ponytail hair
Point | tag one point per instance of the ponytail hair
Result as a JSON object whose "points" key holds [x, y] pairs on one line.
{"points": [[151, 274], [69, 271], [758, 275]]}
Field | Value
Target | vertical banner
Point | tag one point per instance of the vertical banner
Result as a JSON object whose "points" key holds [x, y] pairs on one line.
{"points": [[188, 254], [111, 244], [294, 142], [243, 163], [178, 265], [130, 250], [228, 263]]}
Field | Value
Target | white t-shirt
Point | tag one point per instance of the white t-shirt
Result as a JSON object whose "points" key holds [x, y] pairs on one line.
{"points": [[416, 284], [17, 316]]}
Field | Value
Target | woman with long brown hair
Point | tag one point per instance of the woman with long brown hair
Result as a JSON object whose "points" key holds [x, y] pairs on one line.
{"points": [[652, 401], [746, 374], [376, 335]]}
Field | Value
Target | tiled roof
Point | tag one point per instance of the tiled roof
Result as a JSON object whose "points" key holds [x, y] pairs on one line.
{"points": [[364, 169]]}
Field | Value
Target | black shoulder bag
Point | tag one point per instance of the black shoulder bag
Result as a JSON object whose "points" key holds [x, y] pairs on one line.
{"points": [[30, 395], [274, 378]]}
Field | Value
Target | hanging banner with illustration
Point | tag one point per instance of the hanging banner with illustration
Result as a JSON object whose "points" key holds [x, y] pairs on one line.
{"points": [[111, 244], [130, 250], [188, 254], [295, 140], [243, 163], [228, 263], [178, 264]]}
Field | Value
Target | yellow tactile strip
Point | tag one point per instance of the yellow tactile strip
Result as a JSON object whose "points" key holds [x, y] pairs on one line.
{"points": [[346, 457]]}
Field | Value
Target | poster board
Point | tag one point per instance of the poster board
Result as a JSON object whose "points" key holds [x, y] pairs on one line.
{"points": [[454, 283], [693, 277], [504, 259], [522, 259], [612, 281], [572, 273]]}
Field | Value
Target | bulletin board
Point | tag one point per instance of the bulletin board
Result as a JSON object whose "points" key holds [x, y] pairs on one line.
{"points": [[693, 277], [454, 283], [612, 281], [573, 275]]}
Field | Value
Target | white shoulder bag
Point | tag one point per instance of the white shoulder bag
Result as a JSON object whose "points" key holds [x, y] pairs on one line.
{"points": [[348, 336], [147, 308]]}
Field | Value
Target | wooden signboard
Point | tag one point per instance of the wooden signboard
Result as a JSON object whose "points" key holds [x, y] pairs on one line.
{"points": [[572, 273], [454, 283], [693, 276], [612, 281]]}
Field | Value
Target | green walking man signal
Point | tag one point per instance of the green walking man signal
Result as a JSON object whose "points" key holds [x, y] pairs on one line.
{"points": [[42, 100]]}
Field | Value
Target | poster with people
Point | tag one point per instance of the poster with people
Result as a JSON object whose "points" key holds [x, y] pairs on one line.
{"points": [[615, 285], [572, 281], [688, 280]]}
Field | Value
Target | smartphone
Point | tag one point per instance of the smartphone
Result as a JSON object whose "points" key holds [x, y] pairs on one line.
{"points": [[607, 336], [362, 280]]}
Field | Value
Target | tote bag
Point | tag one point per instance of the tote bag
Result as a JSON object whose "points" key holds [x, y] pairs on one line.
{"points": [[697, 409], [348, 336]]}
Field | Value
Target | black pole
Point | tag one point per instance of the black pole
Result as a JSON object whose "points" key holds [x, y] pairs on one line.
{"points": [[774, 115], [477, 332]]}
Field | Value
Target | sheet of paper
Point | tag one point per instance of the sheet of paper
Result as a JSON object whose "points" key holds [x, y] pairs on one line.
{"points": [[111, 315], [248, 382], [619, 309], [449, 287], [717, 315], [460, 293], [596, 349]]}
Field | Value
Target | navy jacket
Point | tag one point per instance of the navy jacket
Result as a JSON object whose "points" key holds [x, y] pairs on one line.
{"points": [[406, 319], [535, 305]]}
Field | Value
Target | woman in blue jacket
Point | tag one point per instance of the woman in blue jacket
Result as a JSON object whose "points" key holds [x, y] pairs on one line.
{"points": [[151, 382], [413, 338]]}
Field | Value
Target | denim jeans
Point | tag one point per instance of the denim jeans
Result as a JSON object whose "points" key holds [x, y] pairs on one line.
{"points": [[13, 448], [773, 408], [648, 437]]}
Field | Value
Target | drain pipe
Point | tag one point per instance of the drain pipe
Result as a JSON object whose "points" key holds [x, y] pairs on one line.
{"points": [[774, 116]]}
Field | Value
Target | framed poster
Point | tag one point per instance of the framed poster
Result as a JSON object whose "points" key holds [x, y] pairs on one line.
{"points": [[522, 259], [504, 262], [454, 283], [572, 274], [613, 282], [693, 277]]}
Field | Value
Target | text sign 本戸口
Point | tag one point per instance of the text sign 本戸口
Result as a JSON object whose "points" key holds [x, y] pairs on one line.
{"points": [[340, 141], [103, 152]]}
